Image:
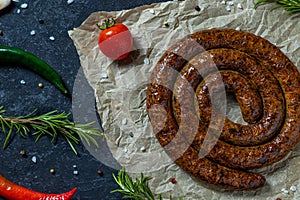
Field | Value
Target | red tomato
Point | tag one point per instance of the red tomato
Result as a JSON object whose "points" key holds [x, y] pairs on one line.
{"points": [[115, 40]]}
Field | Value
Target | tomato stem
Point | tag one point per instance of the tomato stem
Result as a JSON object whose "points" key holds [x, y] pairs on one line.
{"points": [[107, 24]]}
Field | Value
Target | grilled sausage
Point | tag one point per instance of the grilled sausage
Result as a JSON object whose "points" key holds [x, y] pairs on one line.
{"points": [[193, 128]]}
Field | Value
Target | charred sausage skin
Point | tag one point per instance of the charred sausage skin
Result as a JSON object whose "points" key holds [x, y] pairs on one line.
{"points": [[177, 97]]}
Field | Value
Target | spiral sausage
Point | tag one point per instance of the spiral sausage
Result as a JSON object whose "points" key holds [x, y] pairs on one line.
{"points": [[203, 141]]}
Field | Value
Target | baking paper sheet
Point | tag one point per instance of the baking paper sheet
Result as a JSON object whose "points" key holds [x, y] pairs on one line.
{"points": [[119, 87]]}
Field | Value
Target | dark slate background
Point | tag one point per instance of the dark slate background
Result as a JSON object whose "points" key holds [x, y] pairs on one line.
{"points": [[18, 99]]}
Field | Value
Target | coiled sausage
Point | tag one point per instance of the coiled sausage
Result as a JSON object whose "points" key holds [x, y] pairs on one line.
{"points": [[194, 130]]}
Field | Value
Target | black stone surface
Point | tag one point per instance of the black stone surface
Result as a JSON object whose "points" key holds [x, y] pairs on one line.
{"points": [[50, 18]]}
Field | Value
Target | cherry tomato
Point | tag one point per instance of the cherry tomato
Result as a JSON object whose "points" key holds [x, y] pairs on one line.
{"points": [[115, 40]]}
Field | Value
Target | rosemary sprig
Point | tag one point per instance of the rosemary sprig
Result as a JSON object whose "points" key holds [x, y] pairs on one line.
{"points": [[137, 190], [291, 6], [51, 124]]}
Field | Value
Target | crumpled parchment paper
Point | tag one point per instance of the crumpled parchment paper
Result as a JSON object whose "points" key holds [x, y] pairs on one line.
{"points": [[119, 87]]}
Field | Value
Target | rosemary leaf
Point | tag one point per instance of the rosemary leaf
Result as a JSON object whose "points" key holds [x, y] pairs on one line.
{"points": [[137, 190], [291, 6], [50, 124]]}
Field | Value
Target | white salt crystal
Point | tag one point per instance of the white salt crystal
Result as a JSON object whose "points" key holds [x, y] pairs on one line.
{"points": [[146, 61], [24, 5], [293, 188], [32, 32], [239, 6], [33, 159], [70, 1], [228, 8]]}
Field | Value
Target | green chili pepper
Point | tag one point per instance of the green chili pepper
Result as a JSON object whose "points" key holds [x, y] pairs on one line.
{"points": [[26, 59]]}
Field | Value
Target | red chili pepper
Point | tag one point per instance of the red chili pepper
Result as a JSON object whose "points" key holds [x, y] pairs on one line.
{"points": [[12, 191]]}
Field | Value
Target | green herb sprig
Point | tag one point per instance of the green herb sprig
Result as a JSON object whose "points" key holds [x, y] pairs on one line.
{"points": [[51, 124], [137, 190], [291, 6]]}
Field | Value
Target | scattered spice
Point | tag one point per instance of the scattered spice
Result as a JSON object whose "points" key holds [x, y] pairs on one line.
{"points": [[23, 153], [75, 172], [100, 172], [32, 32], [41, 85], [228, 8], [166, 24], [33, 159], [41, 21], [104, 75], [24, 5], [278, 198], [151, 11], [284, 191], [239, 6], [197, 8], [146, 61], [23, 82], [70, 1], [1, 33], [124, 121], [173, 180], [143, 149], [52, 171], [293, 188]]}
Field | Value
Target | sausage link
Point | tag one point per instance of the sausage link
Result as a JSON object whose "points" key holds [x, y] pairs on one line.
{"points": [[199, 137]]}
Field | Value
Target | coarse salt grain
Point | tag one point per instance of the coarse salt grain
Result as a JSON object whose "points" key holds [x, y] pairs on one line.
{"points": [[104, 75], [18, 11], [146, 61], [32, 32], [284, 191], [124, 121], [22, 82], [228, 8], [52, 38], [293, 188], [231, 3], [239, 6], [24, 5], [143, 149], [238, 28], [70, 1], [75, 172], [223, 2], [33, 159], [151, 11]]}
